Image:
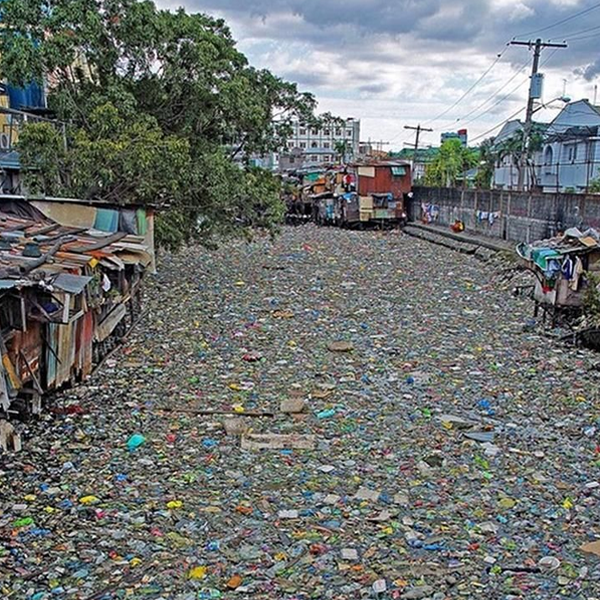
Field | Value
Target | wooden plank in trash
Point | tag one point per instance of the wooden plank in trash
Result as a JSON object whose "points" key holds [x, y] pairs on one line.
{"points": [[274, 441], [104, 329]]}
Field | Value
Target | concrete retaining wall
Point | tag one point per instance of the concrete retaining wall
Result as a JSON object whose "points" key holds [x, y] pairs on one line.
{"points": [[522, 216]]}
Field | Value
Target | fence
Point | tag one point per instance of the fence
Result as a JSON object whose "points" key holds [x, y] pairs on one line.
{"points": [[508, 215], [11, 123]]}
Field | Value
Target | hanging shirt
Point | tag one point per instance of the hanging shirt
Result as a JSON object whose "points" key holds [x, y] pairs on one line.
{"points": [[577, 271], [568, 268]]}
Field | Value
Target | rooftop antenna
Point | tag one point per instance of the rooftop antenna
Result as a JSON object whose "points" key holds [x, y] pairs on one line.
{"points": [[595, 94]]}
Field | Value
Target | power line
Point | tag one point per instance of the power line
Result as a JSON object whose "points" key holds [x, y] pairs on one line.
{"points": [[485, 112], [568, 35], [499, 125], [584, 37], [447, 110], [562, 21], [462, 121], [504, 86], [481, 78], [509, 93]]}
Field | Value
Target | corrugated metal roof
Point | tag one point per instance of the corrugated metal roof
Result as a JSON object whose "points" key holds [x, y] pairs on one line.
{"points": [[10, 160], [67, 251], [73, 284]]}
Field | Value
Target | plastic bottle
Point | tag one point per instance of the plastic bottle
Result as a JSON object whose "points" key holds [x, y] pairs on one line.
{"points": [[135, 441]]}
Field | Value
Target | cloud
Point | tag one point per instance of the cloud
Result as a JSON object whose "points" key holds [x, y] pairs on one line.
{"points": [[374, 88], [591, 71], [413, 57], [520, 12]]}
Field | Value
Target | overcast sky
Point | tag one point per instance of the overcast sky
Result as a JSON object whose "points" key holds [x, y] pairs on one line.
{"points": [[401, 62]]}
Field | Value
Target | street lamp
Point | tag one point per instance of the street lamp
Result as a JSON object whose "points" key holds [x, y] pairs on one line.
{"points": [[564, 99]]}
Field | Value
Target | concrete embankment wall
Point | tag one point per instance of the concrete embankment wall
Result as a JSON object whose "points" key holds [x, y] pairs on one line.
{"points": [[518, 216]]}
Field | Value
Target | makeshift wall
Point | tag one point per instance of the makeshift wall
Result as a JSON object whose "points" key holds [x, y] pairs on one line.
{"points": [[517, 216], [68, 213], [379, 180], [137, 221]]}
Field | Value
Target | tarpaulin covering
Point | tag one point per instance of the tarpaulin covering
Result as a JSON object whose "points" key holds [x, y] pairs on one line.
{"points": [[107, 220]]}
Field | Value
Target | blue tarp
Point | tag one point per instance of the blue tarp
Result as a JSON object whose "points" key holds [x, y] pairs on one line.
{"points": [[31, 96], [10, 160], [107, 220]]}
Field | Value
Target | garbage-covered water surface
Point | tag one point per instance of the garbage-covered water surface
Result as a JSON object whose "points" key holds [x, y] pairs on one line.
{"points": [[334, 414]]}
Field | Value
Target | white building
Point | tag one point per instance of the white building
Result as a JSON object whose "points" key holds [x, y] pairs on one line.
{"points": [[506, 172], [321, 146], [570, 158]]}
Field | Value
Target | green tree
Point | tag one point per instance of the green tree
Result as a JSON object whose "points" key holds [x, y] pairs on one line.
{"points": [[487, 163], [514, 147], [160, 108], [451, 164], [43, 152]]}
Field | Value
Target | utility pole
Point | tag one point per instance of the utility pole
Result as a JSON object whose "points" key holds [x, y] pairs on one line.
{"points": [[418, 129], [381, 144], [538, 46], [377, 146]]}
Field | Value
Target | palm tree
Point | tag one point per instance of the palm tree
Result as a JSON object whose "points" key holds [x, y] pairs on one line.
{"points": [[514, 147], [340, 148], [487, 162]]}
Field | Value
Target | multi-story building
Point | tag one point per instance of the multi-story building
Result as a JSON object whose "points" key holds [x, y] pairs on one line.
{"points": [[570, 158], [461, 135], [313, 147]]}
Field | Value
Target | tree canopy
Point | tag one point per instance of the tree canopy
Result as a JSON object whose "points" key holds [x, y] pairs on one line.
{"points": [[160, 108], [487, 164], [451, 164]]}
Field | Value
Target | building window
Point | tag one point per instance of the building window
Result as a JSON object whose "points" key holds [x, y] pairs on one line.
{"points": [[327, 158], [302, 144], [314, 144], [290, 144], [315, 132], [326, 132], [326, 145], [548, 159], [303, 132], [349, 133], [314, 158], [338, 132]]}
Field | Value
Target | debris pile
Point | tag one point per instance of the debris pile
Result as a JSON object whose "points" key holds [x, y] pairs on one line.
{"points": [[397, 434]]}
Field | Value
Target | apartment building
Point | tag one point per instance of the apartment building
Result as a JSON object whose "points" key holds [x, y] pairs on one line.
{"points": [[314, 147]]}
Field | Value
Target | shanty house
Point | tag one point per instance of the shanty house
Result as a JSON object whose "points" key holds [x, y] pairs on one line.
{"points": [[381, 188], [68, 293]]}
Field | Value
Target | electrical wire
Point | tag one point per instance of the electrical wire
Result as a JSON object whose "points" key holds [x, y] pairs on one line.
{"points": [[507, 95], [447, 110], [512, 91], [481, 78], [583, 37], [574, 33], [562, 21], [499, 125], [462, 121], [500, 101]]}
